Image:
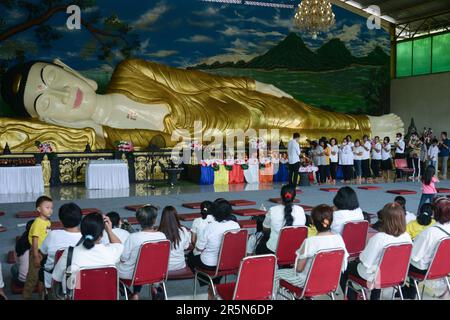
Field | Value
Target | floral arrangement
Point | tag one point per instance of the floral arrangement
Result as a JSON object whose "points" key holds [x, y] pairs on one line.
{"points": [[262, 165], [244, 166], [215, 166], [228, 164], [44, 147], [124, 146]]}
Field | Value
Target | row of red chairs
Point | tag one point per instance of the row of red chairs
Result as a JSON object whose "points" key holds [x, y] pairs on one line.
{"points": [[256, 273]]}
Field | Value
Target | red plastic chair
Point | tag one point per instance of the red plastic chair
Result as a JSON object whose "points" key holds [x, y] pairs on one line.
{"points": [[439, 266], [232, 251], [322, 279], [391, 271], [151, 267], [98, 283], [290, 240], [255, 280], [354, 235], [402, 166]]}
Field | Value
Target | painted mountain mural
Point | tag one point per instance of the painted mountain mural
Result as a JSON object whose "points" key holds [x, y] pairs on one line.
{"points": [[293, 54]]}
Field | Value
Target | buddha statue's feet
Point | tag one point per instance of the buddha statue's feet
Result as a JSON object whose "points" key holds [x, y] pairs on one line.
{"points": [[387, 125]]}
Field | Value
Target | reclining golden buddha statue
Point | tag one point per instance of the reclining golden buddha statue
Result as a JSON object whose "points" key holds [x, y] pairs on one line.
{"points": [[146, 102]]}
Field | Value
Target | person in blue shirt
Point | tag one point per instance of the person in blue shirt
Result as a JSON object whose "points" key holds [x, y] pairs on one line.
{"points": [[444, 152]]}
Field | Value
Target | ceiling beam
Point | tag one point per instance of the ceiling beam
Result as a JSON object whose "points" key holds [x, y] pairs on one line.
{"points": [[422, 5], [384, 24], [420, 17]]}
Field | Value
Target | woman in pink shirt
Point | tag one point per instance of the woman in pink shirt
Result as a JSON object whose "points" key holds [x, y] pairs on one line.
{"points": [[428, 187]]}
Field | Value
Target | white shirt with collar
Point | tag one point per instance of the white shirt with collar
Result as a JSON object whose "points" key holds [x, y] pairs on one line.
{"points": [[366, 153], [335, 157], [433, 153], [99, 255], [177, 260], [340, 217], [386, 152], [376, 152], [425, 245], [274, 220], [400, 146], [346, 155], [211, 241], [129, 257], [56, 240], [293, 151], [371, 255]]}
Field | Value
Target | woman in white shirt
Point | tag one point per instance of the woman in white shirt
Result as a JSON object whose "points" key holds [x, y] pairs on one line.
{"points": [[146, 216], [358, 152], [393, 231], [315, 152], [375, 163], [285, 214], [210, 244], [70, 216], [426, 243], [322, 152], [322, 217], [334, 150], [347, 209], [365, 159], [91, 253], [346, 160], [386, 158], [179, 236], [199, 224]]}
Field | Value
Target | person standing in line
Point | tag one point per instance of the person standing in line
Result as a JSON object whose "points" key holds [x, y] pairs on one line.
{"points": [[386, 160], [346, 160], [399, 151], [376, 158], [414, 152], [444, 152], [433, 153], [423, 156], [334, 149], [365, 159], [322, 161], [294, 159], [357, 160]]}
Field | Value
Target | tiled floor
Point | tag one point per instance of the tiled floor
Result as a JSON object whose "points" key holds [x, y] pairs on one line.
{"points": [[370, 201]]}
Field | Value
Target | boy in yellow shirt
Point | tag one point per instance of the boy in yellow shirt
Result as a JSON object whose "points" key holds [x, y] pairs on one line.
{"points": [[37, 235], [423, 221]]}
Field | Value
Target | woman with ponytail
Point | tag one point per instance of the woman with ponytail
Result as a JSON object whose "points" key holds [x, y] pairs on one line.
{"points": [[285, 214], [90, 251], [322, 218]]}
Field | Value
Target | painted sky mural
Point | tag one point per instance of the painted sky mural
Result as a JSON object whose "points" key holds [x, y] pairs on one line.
{"points": [[344, 69]]}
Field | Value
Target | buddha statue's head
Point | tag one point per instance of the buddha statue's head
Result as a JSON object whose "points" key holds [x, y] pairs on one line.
{"points": [[52, 92]]}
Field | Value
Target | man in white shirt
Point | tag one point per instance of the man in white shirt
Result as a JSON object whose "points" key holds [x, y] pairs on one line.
{"points": [[70, 216], [294, 159]]}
